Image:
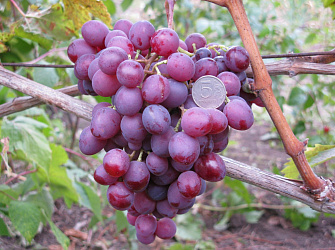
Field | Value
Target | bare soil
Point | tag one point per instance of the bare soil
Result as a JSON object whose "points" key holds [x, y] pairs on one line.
{"points": [[272, 231]]}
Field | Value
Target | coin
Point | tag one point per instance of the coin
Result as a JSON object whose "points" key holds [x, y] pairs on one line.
{"points": [[209, 92]]}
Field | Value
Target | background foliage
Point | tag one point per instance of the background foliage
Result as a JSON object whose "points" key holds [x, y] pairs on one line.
{"points": [[44, 139]]}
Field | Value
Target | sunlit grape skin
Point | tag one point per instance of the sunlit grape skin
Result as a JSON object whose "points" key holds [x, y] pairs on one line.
{"points": [[164, 42], [184, 148], [116, 162], [210, 167], [119, 196]]}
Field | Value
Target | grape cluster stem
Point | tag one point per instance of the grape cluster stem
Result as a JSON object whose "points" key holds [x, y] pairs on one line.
{"points": [[320, 189]]}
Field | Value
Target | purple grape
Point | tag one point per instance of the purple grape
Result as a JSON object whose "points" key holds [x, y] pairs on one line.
{"points": [[120, 140], [213, 52], [189, 184], [202, 53], [105, 85], [82, 64], [140, 34], [131, 219], [105, 123], [133, 211], [119, 196], [184, 148], [237, 59], [135, 146], [179, 166], [239, 115], [122, 103], [155, 89], [88, 88], [219, 146], [116, 162], [110, 59], [124, 25], [78, 48], [94, 67], [94, 33], [89, 144], [160, 143], [145, 225], [203, 187], [99, 106], [81, 87], [165, 209], [123, 43], [137, 177], [206, 144], [205, 66], [220, 136], [177, 96], [132, 128], [198, 39], [231, 82], [156, 119], [110, 145], [196, 122], [176, 199], [164, 42], [170, 176], [166, 228], [180, 67], [219, 121], [102, 177], [157, 165], [112, 34], [143, 203], [210, 167], [157, 192], [130, 73], [146, 240], [220, 63], [182, 44]]}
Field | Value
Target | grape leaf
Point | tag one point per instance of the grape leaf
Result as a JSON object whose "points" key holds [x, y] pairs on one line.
{"points": [[79, 11], [55, 23], [188, 227], [126, 4], [42, 41], [60, 183], [93, 200], [25, 217], [330, 4], [120, 220], [46, 76], [315, 156], [3, 228], [27, 140]]}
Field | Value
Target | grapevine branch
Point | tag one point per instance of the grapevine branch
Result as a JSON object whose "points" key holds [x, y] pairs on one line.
{"points": [[318, 188], [235, 169]]}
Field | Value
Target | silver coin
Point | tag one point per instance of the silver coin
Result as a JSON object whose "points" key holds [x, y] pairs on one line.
{"points": [[209, 92]]}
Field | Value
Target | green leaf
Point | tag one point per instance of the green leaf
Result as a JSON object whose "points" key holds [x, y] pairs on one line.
{"points": [[24, 136], [25, 217], [311, 38], [120, 220], [110, 6], [42, 200], [253, 216], [223, 223], [239, 188], [315, 156], [328, 3], [60, 183], [126, 4], [3, 228], [60, 236], [333, 233], [55, 23], [179, 246], [78, 11], [297, 97], [7, 194], [93, 200], [188, 227], [299, 127], [35, 37], [46, 76]]}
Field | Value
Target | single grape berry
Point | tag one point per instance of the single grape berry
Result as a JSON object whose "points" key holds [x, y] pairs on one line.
{"points": [[210, 167], [164, 42], [237, 59]]}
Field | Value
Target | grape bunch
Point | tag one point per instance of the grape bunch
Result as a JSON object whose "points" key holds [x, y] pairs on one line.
{"points": [[160, 146]]}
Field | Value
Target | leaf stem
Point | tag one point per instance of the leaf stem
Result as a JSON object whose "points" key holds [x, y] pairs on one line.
{"points": [[20, 175]]}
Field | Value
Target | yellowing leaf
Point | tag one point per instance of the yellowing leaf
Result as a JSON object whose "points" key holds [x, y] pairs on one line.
{"points": [[315, 156], [79, 11]]}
